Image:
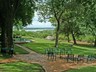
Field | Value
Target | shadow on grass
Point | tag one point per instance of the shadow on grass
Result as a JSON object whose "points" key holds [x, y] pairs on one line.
{"points": [[86, 45]]}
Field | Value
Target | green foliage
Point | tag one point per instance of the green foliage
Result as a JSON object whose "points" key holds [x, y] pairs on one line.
{"points": [[25, 12], [14, 12], [38, 34], [62, 37], [20, 67], [86, 38], [55, 9], [18, 11]]}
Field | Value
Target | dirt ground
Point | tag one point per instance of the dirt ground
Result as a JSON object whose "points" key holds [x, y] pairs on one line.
{"points": [[50, 66], [58, 65]]}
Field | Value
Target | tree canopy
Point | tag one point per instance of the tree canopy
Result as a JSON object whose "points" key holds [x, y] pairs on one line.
{"points": [[70, 16], [14, 12]]}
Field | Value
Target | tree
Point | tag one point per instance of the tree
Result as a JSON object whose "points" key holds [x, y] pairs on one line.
{"points": [[12, 11], [71, 26], [55, 9], [90, 17], [71, 20]]}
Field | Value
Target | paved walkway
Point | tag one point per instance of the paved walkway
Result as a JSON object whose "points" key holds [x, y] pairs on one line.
{"points": [[50, 66]]}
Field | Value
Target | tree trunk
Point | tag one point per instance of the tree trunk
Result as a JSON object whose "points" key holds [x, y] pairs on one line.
{"points": [[3, 39], [9, 14], [57, 34], [73, 36], [9, 32], [95, 42], [9, 38], [68, 38], [3, 36]]}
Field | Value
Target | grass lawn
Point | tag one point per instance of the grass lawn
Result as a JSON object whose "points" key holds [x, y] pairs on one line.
{"points": [[39, 45], [20, 67], [19, 50], [84, 69]]}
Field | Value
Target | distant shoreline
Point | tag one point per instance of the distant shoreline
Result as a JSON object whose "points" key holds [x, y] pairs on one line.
{"points": [[38, 29], [41, 28]]}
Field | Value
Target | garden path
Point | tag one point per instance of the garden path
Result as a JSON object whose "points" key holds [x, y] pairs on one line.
{"points": [[50, 66]]}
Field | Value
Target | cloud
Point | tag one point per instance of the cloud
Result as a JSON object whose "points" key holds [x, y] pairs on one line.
{"points": [[36, 23], [39, 24]]}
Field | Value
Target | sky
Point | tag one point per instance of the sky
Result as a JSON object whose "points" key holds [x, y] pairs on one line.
{"points": [[36, 24]]}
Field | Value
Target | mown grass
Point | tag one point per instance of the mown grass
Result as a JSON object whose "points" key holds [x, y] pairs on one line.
{"points": [[83, 69], [19, 50], [20, 67], [39, 45]]}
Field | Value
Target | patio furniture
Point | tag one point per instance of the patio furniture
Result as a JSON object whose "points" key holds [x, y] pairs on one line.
{"points": [[57, 51], [68, 51], [51, 54], [11, 52], [62, 52], [80, 58], [70, 57], [91, 57], [4, 51]]}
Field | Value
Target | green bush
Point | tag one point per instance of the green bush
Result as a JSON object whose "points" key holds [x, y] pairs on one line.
{"points": [[38, 34]]}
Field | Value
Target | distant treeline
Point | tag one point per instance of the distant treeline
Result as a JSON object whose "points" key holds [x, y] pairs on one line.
{"points": [[41, 28]]}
